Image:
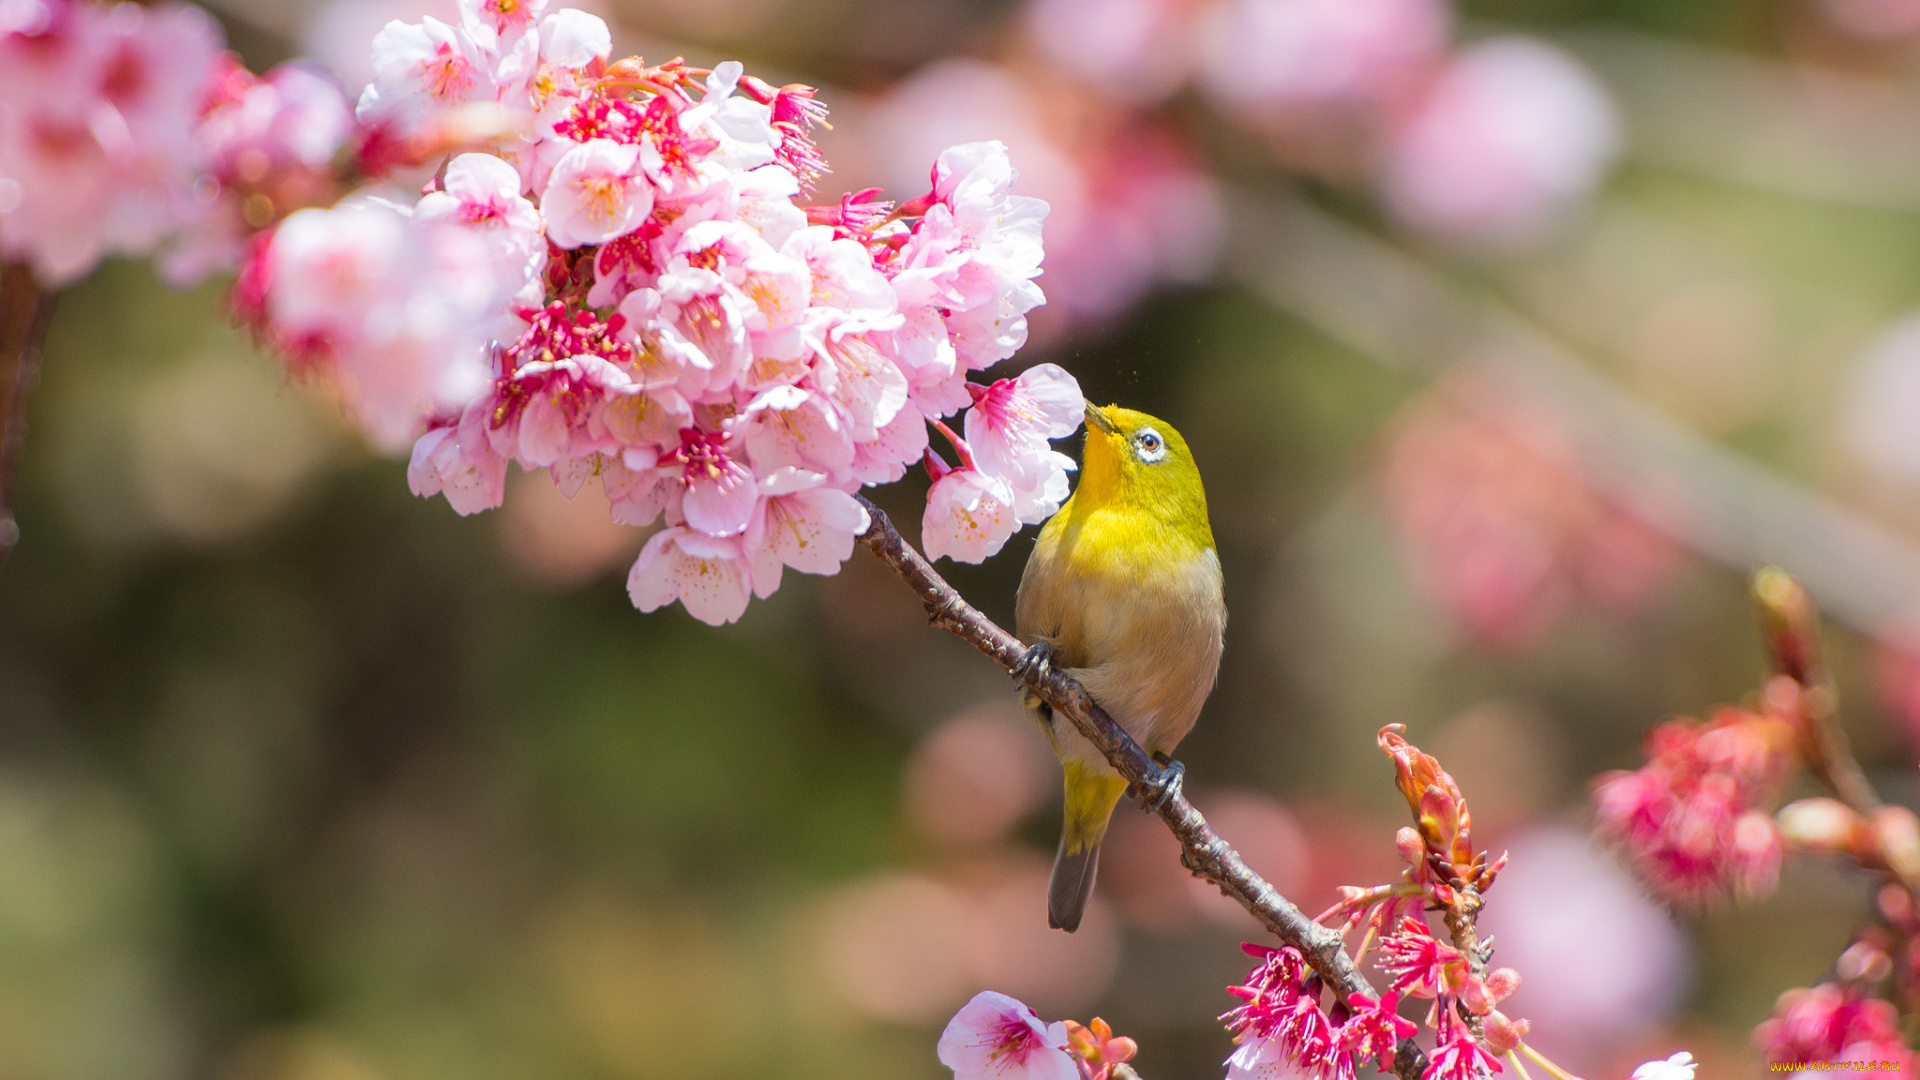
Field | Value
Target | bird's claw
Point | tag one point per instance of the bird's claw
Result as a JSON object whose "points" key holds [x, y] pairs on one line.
{"points": [[1035, 663], [1157, 794]]}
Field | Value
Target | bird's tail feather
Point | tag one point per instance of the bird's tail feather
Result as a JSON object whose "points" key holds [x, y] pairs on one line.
{"points": [[1090, 802], [1072, 883]]}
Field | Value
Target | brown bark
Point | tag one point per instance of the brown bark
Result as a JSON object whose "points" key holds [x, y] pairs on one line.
{"points": [[25, 308]]}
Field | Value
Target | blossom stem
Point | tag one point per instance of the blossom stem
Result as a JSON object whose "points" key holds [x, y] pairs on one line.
{"points": [[1366, 943], [25, 308], [1556, 1070], [1791, 626], [1202, 849], [1514, 1060], [959, 444]]}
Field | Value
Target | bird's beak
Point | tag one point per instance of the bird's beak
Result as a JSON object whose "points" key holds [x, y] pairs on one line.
{"points": [[1097, 417]]}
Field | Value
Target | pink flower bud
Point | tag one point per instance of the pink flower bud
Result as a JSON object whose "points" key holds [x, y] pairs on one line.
{"points": [[1897, 834], [1503, 1034], [1407, 840], [1476, 996], [1864, 961], [1503, 982], [1822, 825]]}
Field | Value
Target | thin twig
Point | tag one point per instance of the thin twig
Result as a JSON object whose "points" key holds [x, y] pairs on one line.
{"points": [[25, 308], [1201, 849], [1790, 623]]}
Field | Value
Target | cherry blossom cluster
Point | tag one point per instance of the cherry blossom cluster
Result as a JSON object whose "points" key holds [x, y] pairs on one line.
{"points": [[619, 279], [996, 1037], [1833, 1022], [1696, 821], [1281, 1027], [97, 129], [1282, 1022]]}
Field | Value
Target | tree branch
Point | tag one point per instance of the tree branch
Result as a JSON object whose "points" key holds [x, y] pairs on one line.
{"points": [[25, 308], [1201, 849], [1790, 624]]}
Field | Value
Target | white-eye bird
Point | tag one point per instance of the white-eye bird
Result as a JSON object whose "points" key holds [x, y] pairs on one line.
{"points": [[1123, 592]]}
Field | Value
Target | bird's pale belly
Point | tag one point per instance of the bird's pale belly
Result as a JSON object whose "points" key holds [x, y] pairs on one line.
{"points": [[1147, 647]]}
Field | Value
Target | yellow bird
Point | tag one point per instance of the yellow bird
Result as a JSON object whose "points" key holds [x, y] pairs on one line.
{"points": [[1123, 592]]}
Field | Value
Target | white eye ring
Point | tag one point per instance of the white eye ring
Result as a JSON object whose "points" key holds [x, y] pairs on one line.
{"points": [[1151, 447]]}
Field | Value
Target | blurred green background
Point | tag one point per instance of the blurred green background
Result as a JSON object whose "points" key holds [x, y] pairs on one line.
{"points": [[302, 778]]}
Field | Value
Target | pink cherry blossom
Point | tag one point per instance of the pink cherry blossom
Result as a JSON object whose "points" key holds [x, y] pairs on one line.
{"points": [[1009, 427], [995, 1037], [500, 21], [866, 387], [482, 193], [1679, 1066], [595, 194], [1130, 206], [778, 285], [841, 272], [422, 71], [709, 575], [1512, 136], [1458, 1054], [802, 523], [573, 45], [458, 460], [969, 516], [1421, 965], [793, 427], [720, 492]]}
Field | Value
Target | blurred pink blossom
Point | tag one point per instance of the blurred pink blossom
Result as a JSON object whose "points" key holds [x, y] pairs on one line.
{"points": [[1499, 524], [1138, 51], [1144, 879], [1602, 962], [971, 779], [97, 115], [1292, 54], [1874, 20], [1696, 820], [1883, 400], [1831, 1023], [399, 310], [1506, 140], [269, 145]]}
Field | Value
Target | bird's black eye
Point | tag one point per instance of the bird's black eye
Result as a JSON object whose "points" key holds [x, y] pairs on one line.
{"points": [[1152, 446]]}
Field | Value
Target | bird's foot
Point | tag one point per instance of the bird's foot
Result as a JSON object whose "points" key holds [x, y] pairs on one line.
{"points": [[1035, 664], [1157, 794]]}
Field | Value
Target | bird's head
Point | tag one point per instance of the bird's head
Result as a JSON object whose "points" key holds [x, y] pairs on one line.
{"points": [[1142, 463]]}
